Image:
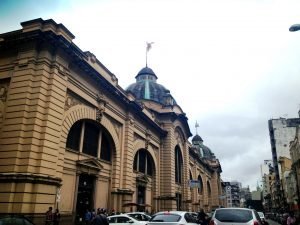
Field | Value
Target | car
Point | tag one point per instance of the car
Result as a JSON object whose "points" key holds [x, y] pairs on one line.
{"points": [[141, 216], [124, 219], [173, 218], [261, 215], [15, 220], [235, 216]]}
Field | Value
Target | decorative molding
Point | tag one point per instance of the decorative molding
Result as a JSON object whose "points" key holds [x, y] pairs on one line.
{"points": [[147, 138], [71, 101], [29, 178], [101, 106]]}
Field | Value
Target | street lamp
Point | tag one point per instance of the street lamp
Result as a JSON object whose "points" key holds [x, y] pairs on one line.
{"points": [[294, 28]]}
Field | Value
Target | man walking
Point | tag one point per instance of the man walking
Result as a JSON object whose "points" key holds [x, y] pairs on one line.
{"points": [[101, 218]]}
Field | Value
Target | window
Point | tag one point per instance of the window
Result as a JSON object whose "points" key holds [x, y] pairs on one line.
{"points": [[105, 148], [73, 139], [208, 189], [234, 215], [178, 165], [143, 162], [200, 189], [91, 134], [91, 137]]}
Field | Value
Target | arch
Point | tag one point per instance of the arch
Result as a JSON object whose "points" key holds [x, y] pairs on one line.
{"points": [[139, 144], [180, 135], [79, 112], [147, 165]]}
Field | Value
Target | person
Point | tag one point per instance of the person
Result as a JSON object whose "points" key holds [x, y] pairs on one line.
{"points": [[93, 213], [87, 217], [56, 217], [49, 216], [202, 217], [101, 218], [291, 219]]}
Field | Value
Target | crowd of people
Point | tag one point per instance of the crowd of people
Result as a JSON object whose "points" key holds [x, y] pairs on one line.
{"points": [[93, 218]]}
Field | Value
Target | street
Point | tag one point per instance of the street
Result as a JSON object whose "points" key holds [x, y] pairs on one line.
{"points": [[272, 222]]}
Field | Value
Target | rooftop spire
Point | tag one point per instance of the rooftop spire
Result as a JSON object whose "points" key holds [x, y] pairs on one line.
{"points": [[149, 46]]}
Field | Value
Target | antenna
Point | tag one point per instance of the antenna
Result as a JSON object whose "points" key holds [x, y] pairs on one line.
{"points": [[148, 47], [196, 126]]}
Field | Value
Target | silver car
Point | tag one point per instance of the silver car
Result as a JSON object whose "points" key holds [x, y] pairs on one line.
{"points": [[235, 216], [172, 218]]}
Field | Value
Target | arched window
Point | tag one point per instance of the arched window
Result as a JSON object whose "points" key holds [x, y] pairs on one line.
{"points": [[191, 178], [200, 189], [90, 138], [178, 165], [143, 162], [208, 189]]}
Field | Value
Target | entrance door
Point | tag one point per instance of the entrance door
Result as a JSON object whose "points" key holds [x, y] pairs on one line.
{"points": [[141, 197], [85, 195]]}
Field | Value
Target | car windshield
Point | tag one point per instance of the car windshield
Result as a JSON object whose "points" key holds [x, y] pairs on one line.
{"points": [[165, 218], [234, 215]]}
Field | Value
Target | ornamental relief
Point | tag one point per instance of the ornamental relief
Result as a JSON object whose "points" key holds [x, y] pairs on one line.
{"points": [[73, 100], [3, 95]]}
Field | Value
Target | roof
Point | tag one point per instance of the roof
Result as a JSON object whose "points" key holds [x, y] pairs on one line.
{"points": [[147, 88]]}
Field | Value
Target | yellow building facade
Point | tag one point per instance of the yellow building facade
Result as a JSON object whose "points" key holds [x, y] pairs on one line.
{"points": [[73, 139]]}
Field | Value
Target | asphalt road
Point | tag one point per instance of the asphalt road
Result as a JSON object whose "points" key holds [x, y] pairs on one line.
{"points": [[271, 222]]}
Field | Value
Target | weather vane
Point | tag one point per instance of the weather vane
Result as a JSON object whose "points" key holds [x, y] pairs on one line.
{"points": [[196, 126], [149, 46]]}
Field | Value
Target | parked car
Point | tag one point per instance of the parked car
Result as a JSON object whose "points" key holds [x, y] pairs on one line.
{"points": [[261, 215], [15, 220], [173, 218], [141, 216], [235, 216], [124, 219]]}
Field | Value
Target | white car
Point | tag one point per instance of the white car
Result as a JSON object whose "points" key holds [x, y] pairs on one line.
{"points": [[124, 219], [173, 218], [261, 215], [235, 216], [141, 216]]}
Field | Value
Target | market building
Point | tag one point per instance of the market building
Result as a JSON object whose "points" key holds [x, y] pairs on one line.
{"points": [[73, 139]]}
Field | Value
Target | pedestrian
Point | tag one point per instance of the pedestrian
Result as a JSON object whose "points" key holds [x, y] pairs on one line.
{"points": [[291, 219], [101, 218], [49, 216], [56, 217], [93, 213], [87, 217], [202, 217]]}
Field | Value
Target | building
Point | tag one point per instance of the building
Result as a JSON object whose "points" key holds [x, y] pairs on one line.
{"points": [[282, 131], [73, 139], [295, 173], [233, 193], [245, 195]]}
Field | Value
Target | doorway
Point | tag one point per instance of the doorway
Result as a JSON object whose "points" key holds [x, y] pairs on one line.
{"points": [[84, 195]]}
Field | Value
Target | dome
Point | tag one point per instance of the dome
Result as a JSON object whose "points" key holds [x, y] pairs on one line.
{"points": [[197, 138], [203, 150], [146, 87]]}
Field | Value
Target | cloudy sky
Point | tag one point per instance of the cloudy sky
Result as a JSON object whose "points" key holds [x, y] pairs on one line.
{"points": [[230, 64]]}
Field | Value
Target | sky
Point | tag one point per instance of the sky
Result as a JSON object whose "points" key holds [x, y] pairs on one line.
{"points": [[230, 64]]}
